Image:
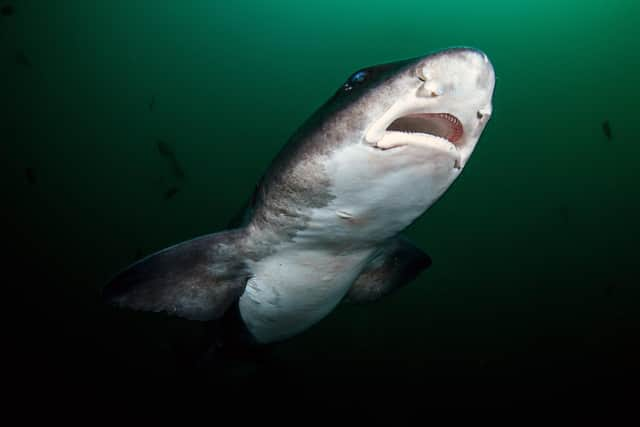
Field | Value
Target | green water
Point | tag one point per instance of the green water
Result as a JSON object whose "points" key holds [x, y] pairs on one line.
{"points": [[534, 247]]}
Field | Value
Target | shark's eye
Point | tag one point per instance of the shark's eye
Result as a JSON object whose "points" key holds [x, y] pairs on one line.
{"points": [[358, 77], [355, 80]]}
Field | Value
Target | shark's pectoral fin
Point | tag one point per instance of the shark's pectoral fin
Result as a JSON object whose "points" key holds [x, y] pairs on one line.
{"points": [[197, 279], [394, 266]]}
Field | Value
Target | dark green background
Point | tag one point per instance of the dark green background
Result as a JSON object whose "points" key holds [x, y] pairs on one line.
{"points": [[533, 290]]}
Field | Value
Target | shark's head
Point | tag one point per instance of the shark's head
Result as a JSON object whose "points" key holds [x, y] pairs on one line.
{"points": [[439, 102]]}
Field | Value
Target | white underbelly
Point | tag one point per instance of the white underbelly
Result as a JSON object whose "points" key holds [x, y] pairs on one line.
{"points": [[295, 288]]}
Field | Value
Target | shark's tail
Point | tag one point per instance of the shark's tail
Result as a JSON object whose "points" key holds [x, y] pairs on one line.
{"points": [[198, 279]]}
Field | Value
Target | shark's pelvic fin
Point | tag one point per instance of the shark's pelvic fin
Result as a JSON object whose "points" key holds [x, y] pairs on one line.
{"points": [[397, 264], [198, 279]]}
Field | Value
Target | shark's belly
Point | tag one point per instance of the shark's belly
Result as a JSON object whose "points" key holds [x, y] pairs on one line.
{"points": [[295, 288]]}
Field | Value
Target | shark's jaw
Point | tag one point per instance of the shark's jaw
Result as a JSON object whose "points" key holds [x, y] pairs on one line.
{"points": [[435, 131]]}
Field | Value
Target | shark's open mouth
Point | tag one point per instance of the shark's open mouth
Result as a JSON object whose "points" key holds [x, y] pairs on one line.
{"points": [[443, 125]]}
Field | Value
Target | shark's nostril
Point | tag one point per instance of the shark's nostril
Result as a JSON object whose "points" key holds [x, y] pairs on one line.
{"points": [[430, 90]]}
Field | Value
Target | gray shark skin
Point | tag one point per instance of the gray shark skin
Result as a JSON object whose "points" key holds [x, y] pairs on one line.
{"points": [[324, 223]]}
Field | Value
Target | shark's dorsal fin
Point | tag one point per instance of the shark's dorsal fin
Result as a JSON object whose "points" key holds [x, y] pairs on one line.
{"points": [[397, 264]]}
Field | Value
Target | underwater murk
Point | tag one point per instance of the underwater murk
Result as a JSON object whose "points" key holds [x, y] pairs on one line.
{"points": [[130, 126]]}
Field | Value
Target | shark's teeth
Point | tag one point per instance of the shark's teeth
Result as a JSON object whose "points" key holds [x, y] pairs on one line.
{"points": [[444, 125]]}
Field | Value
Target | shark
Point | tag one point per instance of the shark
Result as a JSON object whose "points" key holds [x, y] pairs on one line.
{"points": [[324, 224]]}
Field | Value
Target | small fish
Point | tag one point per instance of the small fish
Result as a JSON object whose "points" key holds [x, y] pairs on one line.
{"points": [[21, 59], [7, 10], [31, 175], [170, 192], [606, 128], [152, 103], [165, 151]]}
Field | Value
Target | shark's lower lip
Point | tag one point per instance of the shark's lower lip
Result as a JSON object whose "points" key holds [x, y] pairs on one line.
{"points": [[392, 140], [443, 125]]}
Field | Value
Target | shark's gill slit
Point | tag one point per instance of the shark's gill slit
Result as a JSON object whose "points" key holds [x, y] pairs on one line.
{"points": [[444, 125]]}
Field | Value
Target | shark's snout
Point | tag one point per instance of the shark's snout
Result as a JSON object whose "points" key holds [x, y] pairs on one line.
{"points": [[454, 70], [464, 54]]}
